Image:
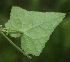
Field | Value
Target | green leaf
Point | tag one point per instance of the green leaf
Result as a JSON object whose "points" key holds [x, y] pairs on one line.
{"points": [[36, 28]]}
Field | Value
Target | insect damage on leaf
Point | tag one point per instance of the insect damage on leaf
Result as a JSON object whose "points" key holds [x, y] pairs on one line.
{"points": [[35, 26]]}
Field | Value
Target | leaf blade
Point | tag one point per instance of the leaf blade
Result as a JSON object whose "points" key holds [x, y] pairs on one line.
{"points": [[36, 27]]}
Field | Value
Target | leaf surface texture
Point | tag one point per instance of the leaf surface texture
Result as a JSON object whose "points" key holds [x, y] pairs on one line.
{"points": [[36, 28]]}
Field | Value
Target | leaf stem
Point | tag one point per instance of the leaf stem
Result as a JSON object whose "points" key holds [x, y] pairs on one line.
{"points": [[15, 46]]}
